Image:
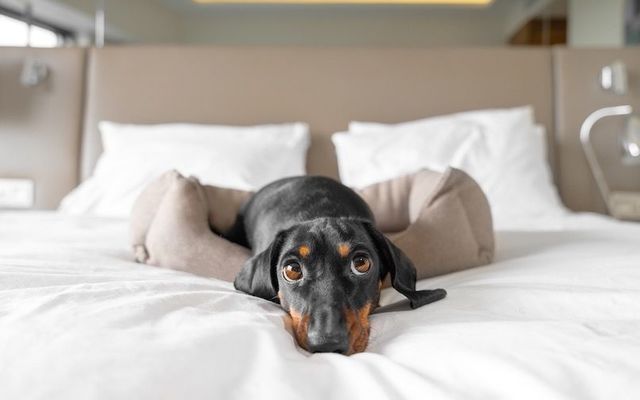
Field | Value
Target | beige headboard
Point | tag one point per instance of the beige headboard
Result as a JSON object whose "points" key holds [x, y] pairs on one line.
{"points": [[40, 127], [325, 87]]}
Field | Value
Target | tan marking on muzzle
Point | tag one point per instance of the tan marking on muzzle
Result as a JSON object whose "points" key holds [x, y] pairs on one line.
{"points": [[358, 328], [300, 324]]}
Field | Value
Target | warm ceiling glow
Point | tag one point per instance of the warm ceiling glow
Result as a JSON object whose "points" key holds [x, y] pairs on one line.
{"points": [[400, 2]]}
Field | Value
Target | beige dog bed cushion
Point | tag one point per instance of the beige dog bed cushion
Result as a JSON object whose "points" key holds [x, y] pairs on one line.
{"points": [[442, 221]]}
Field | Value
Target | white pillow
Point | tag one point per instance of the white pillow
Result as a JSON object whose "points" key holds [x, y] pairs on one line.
{"points": [[245, 158], [518, 183], [500, 125], [508, 160], [377, 156]]}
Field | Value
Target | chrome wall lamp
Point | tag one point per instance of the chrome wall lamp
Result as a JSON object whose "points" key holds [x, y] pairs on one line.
{"points": [[620, 204]]}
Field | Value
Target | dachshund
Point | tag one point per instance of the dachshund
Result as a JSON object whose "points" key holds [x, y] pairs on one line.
{"points": [[316, 251]]}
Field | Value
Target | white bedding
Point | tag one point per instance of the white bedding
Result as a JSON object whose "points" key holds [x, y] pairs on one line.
{"points": [[556, 316]]}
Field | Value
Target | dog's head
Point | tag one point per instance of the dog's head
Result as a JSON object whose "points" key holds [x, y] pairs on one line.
{"points": [[327, 274]]}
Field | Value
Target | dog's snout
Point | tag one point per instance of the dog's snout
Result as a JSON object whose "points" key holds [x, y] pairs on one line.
{"points": [[333, 346], [327, 331]]}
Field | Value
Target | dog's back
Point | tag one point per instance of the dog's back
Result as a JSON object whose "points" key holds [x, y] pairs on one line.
{"points": [[289, 201]]}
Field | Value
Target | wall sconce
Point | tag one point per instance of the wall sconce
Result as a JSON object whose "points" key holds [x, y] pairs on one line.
{"points": [[623, 205], [34, 71], [613, 77]]}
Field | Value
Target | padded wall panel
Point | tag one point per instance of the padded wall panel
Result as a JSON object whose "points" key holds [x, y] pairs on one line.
{"points": [[40, 126], [578, 94]]}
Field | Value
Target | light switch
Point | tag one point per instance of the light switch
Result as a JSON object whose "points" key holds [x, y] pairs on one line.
{"points": [[17, 193]]}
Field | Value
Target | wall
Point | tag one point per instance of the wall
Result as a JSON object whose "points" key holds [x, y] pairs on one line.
{"points": [[175, 21], [518, 13], [135, 20], [591, 22], [596, 23], [331, 25]]}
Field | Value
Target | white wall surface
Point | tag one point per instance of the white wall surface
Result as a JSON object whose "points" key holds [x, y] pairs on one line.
{"points": [[596, 23], [181, 21], [135, 20], [345, 26], [591, 22]]}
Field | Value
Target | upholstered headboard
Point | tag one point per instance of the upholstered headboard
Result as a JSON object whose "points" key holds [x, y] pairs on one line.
{"points": [[325, 87]]}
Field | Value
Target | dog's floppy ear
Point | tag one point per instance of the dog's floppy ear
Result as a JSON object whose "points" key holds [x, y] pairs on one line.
{"points": [[402, 271], [258, 274]]}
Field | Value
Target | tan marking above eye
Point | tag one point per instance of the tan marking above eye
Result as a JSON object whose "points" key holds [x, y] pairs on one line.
{"points": [[360, 264], [344, 249], [304, 250], [292, 272]]}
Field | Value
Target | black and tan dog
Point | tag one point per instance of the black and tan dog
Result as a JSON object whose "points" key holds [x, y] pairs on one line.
{"points": [[316, 251]]}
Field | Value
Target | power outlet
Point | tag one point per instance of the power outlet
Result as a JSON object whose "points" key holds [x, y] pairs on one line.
{"points": [[17, 193]]}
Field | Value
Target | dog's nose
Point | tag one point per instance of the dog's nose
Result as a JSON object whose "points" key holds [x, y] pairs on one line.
{"points": [[327, 331], [337, 345]]}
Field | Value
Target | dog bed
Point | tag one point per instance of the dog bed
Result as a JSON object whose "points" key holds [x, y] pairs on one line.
{"points": [[441, 220]]}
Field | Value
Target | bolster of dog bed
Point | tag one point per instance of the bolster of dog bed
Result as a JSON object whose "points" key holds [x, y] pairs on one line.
{"points": [[442, 221], [173, 222]]}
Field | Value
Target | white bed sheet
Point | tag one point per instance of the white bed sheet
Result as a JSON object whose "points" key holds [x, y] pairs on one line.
{"points": [[556, 316]]}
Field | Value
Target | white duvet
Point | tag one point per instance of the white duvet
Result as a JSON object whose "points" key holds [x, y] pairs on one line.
{"points": [[556, 316]]}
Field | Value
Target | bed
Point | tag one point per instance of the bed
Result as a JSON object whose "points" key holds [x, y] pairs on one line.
{"points": [[555, 316]]}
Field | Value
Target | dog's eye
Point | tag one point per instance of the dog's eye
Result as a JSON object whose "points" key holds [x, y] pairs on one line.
{"points": [[360, 264], [292, 272]]}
